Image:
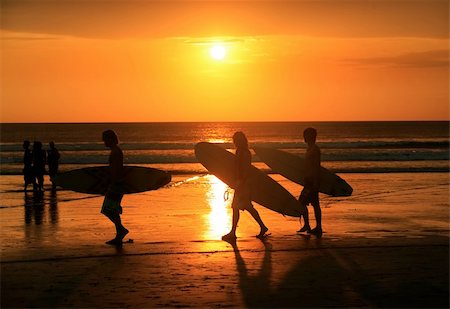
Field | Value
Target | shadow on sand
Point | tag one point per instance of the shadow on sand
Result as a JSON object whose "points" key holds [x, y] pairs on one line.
{"points": [[334, 278]]}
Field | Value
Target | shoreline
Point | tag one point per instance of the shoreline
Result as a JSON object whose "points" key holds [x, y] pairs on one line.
{"points": [[198, 169]]}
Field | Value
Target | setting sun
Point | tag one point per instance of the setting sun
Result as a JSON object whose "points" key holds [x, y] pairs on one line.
{"points": [[218, 52]]}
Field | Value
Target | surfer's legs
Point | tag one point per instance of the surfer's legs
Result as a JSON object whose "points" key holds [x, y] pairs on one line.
{"points": [[235, 221], [40, 182], [258, 219], [236, 205], [25, 187], [231, 236], [314, 200], [112, 210], [318, 215], [306, 227], [121, 231], [304, 199]]}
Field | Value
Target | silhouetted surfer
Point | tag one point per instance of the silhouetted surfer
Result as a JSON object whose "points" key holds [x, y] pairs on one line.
{"points": [[310, 192], [111, 205], [242, 199], [28, 175], [53, 161], [39, 159]]}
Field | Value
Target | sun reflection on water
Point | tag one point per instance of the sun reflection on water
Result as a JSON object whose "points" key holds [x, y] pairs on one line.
{"points": [[219, 218], [218, 140]]}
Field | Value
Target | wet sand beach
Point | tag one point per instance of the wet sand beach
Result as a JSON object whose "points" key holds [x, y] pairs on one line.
{"points": [[386, 246]]}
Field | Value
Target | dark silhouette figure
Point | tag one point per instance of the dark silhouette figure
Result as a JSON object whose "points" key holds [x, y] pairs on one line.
{"points": [[111, 205], [53, 162], [39, 160], [28, 175], [310, 192], [242, 199]]}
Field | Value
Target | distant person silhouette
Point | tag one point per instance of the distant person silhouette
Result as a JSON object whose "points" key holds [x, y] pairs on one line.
{"points": [[28, 175], [310, 192], [111, 205], [53, 161], [39, 160], [242, 199]]}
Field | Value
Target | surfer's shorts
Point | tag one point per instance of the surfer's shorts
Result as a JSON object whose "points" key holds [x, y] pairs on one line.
{"points": [[111, 207], [242, 199], [113, 197], [309, 195]]}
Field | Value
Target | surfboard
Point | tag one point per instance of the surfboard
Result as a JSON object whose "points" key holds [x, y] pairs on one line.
{"points": [[95, 180], [263, 190], [291, 167]]}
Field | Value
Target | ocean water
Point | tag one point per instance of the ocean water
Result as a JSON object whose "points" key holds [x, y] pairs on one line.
{"points": [[347, 147]]}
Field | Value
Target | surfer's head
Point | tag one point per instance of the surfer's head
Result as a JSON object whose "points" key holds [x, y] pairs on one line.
{"points": [[26, 144], [110, 138], [240, 140], [310, 135]]}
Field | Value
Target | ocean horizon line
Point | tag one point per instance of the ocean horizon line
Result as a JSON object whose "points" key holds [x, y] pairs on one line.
{"points": [[231, 121]]}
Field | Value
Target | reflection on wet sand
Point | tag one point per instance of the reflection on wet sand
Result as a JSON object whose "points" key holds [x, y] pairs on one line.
{"points": [[34, 206], [219, 218]]}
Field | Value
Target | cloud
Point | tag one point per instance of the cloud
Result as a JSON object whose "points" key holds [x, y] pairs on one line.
{"points": [[142, 19], [426, 59], [191, 41], [25, 38], [13, 36]]}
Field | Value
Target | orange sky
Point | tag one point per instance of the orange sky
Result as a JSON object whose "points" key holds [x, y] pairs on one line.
{"points": [[136, 60]]}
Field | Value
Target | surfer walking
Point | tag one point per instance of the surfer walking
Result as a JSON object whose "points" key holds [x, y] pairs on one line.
{"points": [[111, 205], [39, 159], [242, 199], [310, 192]]}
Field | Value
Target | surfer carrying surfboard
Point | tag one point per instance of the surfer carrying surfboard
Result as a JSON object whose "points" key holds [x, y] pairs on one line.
{"points": [[111, 205], [310, 192], [242, 198]]}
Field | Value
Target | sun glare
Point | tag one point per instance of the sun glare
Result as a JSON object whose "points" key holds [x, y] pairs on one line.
{"points": [[219, 218], [218, 52]]}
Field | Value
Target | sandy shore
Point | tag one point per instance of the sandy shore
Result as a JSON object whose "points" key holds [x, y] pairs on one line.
{"points": [[387, 246]]}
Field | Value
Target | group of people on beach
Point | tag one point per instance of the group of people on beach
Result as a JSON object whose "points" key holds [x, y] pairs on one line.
{"points": [[34, 162], [112, 208]]}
